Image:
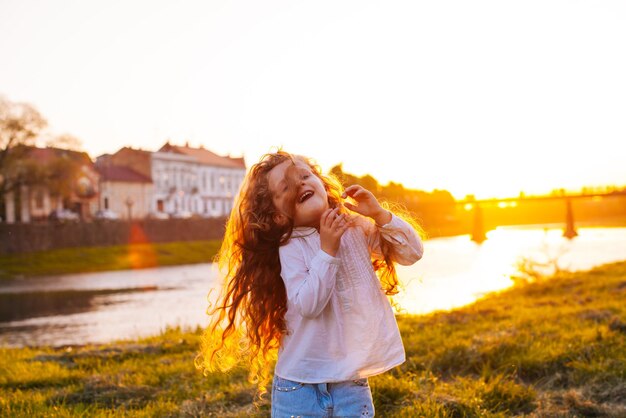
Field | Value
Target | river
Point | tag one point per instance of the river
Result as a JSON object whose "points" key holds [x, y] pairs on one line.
{"points": [[103, 307]]}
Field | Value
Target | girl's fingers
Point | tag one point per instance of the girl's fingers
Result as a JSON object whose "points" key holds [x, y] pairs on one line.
{"points": [[335, 221], [350, 206], [329, 216], [339, 218], [324, 219], [356, 192], [350, 190], [343, 227], [359, 193]]}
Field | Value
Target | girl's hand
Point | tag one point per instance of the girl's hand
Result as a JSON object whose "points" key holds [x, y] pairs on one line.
{"points": [[367, 205], [332, 226]]}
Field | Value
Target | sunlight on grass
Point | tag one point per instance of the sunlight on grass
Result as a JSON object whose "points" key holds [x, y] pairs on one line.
{"points": [[553, 347]]}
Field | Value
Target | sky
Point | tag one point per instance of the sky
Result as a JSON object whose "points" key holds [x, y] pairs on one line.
{"points": [[489, 98]]}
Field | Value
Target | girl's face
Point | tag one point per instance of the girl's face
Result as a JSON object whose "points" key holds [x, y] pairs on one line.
{"points": [[296, 184]]}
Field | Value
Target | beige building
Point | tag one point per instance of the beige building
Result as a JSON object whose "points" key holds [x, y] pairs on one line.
{"points": [[124, 191]]}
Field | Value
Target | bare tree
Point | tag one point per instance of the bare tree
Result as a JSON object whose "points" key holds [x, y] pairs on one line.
{"points": [[65, 141], [20, 125]]}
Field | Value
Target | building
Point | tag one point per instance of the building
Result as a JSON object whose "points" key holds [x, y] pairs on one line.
{"points": [[190, 181], [186, 181], [58, 179], [137, 159], [176, 181], [124, 191]]}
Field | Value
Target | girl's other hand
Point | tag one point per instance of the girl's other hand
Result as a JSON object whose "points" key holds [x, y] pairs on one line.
{"points": [[332, 226], [366, 204]]}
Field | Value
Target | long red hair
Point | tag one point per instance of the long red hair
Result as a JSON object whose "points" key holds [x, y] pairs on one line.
{"points": [[248, 319]]}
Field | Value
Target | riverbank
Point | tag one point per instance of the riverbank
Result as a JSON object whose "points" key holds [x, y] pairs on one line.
{"points": [[145, 255], [118, 257], [554, 347]]}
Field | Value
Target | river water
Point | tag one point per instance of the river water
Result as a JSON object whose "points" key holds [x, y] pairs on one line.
{"points": [[103, 307]]}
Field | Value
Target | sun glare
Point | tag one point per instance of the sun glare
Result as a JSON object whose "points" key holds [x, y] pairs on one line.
{"points": [[504, 205]]}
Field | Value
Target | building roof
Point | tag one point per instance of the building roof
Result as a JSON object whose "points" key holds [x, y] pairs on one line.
{"points": [[120, 173], [48, 154], [133, 150], [136, 159], [204, 156]]}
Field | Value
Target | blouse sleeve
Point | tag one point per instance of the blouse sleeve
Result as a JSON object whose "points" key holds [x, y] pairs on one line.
{"points": [[309, 288], [407, 245]]}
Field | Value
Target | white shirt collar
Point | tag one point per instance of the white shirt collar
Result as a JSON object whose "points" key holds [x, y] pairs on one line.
{"points": [[303, 231]]}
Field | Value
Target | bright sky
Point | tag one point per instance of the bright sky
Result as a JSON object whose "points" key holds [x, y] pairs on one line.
{"points": [[483, 97]]}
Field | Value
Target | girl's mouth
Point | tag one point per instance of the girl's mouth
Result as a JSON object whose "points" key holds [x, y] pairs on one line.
{"points": [[304, 196]]}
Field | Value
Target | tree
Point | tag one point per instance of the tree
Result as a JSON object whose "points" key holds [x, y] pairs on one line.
{"points": [[63, 173], [370, 183], [394, 191], [58, 167], [20, 125], [344, 178], [337, 171], [65, 141]]}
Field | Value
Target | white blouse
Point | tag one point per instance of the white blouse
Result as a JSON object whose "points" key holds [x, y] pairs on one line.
{"points": [[340, 323]]}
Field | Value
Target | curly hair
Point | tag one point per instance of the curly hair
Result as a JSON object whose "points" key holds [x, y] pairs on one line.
{"points": [[248, 319]]}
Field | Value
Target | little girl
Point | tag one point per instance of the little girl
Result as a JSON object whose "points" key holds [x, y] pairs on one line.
{"points": [[300, 277]]}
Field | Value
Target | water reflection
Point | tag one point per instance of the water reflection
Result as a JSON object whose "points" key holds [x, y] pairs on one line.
{"points": [[455, 271], [169, 296], [16, 306], [101, 307]]}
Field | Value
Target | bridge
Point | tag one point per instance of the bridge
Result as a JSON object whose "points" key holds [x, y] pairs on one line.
{"points": [[478, 230]]}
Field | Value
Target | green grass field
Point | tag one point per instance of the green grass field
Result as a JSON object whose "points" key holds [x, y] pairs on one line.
{"points": [[554, 347], [120, 257]]}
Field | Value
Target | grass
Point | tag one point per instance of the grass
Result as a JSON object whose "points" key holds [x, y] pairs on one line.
{"points": [[119, 257], [552, 347]]}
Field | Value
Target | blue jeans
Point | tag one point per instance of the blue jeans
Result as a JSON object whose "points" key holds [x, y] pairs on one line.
{"points": [[351, 398]]}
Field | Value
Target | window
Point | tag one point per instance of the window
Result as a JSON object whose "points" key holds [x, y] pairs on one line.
{"points": [[106, 203]]}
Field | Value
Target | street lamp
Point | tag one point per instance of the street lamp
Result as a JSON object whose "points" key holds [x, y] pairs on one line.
{"points": [[129, 204]]}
